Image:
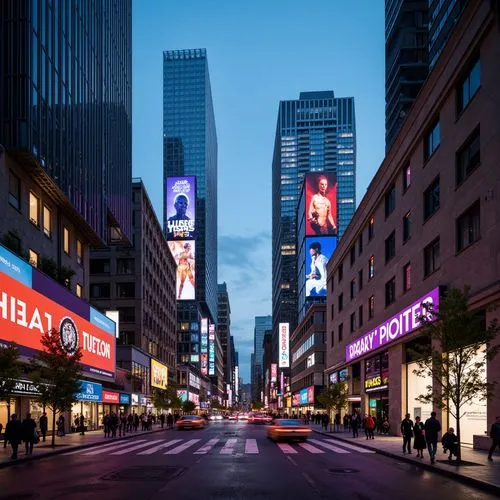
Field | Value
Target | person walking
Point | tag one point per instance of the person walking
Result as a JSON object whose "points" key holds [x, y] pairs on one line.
{"points": [[29, 433], [370, 427], [44, 425], [60, 426], [355, 425], [495, 437], [407, 433], [432, 428], [162, 420], [326, 421], [14, 434], [106, 421], [419, 443]]}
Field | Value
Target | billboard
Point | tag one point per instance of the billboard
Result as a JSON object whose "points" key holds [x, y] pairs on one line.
{"points": [[159, 375], [32, 304], [284, 337], [180, 208], [321, 203], [318, 252], [89, 391], [184, 255], [274, 372], [211, 349], [111, 397], [204, 363]]}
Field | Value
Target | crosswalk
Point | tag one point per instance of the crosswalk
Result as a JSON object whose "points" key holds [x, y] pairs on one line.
{"points": [[230, 446]]}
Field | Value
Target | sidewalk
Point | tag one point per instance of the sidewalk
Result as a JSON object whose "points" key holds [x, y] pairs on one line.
{"points": [[477, 471], [69, 442]]}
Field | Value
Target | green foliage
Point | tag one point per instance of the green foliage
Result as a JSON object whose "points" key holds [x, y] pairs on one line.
{"points": [[61, 274], [334, 397], [257, 405], [188, 407], [10, 370], [164, 399]]}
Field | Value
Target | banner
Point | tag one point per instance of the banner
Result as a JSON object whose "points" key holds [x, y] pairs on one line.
{"points": [[284, 338], [180, 207]]}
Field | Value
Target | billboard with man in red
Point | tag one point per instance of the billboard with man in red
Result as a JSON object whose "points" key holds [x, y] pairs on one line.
{"points": [[321, 204]]}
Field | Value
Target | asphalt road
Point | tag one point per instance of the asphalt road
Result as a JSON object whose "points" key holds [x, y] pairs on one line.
{"points": [[227, 460]]}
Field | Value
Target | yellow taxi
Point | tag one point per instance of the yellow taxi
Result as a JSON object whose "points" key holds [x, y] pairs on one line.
{"points": [[190, 422]]}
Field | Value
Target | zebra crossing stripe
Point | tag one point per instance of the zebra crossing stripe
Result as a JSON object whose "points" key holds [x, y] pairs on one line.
{"points": [[105, 449], [351, 446], [182, 447], [310, 448], [137, 447], [206, 447], [286, 449], [251, 447], [154, 449], [329, 446], [229, 446]]}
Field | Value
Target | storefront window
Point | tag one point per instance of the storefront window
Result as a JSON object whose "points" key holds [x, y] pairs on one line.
{"points": [[4, 411], [417, 386], [89, 411], [36, 410]]}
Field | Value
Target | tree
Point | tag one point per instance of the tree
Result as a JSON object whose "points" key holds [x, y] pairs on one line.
{"points": [[215, 405], [257, 405], [166, 398], [188, 407], [458, 345], [10, 371], [334, 397], [56, 373]]}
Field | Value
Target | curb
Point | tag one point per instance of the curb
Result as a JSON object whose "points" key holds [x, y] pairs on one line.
{"points": [[95, 444], [468, 480]]}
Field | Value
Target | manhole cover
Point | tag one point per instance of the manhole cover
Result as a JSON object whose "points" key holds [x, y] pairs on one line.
{"points": [[150, 473], [342, 470]]}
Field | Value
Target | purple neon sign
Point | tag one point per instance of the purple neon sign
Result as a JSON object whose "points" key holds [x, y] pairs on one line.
{"points": [[402, 323]]}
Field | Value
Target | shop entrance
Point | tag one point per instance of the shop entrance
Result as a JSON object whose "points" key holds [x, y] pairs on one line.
{"points": [[378, 405]]}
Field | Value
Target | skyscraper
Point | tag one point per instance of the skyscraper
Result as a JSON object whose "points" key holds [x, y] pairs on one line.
{"points": [[224, 328], [66, 105], [262, 324], [316, 133]]}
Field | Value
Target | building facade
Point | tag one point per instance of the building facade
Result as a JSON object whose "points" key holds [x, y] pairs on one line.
{"points": [[261, 326], [224, 329], [428, 222]]}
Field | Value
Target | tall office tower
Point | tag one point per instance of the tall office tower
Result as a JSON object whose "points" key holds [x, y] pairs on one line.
{"points": [[316, 133], [224, 327], [261, 325], [190, 150], [66, 107], [406, 60], [252, 377]]}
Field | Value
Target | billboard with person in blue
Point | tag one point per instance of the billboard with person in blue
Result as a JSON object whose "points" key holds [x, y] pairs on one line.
{"points": [[318, 252]]}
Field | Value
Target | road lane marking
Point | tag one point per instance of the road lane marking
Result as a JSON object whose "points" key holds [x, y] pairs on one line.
{"points": [[310, 448], [154, 449], [228, 448], [206, 447], [105, 449], [137, 447], [286, 449], [182, 447], [351, 446], [329, 446], [251, 447]]}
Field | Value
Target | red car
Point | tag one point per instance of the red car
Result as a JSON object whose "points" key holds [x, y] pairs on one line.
{"points": [[259, 418]]}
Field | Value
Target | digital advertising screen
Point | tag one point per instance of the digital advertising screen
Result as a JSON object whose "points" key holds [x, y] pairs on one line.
{"points": [[159, 375], [180, 207], [284, 345], [321, 204], [318, 252], [184, 255]]}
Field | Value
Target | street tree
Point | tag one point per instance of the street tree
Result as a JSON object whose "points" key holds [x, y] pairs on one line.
{"points": [[188, 407], [257, 405], [10, 371], [456, 345], [165, 399], [334, 397], [57, 372]]}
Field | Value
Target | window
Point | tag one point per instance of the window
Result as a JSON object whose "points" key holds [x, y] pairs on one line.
{"points": [[353, 255], [126, 314], [431, 199], [406, 227], [469, 86], [407, 277], [124, 290], [468, 157], [332, 311], [99, 266], [360, 316], [432, 140], [34, 209], [331, 284], [390, 291], [360, 279], [341, 332], [341, 302], [47, 221], [332, 334], [353, 288], [125, 266], [431, 257], [406, 178], [371, 306], [14, 190], [79, 252], [79, 290], [371, 228], [360, 244], [371, 267], [390, 201], [390, 247], [100, 291], [34, 258], [341, 272], [66, 240], [353, 322], [468, 227]]}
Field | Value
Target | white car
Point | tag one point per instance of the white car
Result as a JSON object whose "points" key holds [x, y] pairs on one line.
{"points": [[243, 416]]}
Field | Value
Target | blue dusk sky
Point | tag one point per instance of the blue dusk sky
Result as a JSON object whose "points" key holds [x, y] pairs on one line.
{"points": [[259, 53]]}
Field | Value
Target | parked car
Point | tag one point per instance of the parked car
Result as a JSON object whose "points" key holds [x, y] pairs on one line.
{"points": [[288, 429], [190, 422]]}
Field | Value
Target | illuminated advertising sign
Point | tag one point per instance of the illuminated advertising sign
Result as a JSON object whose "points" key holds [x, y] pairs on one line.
{"points": [[89, 391], [303, 396], [27, 313], [274, 372], [321, 204], [135, 399], [296, 399], [284, 338], [402, 323], [310, 394], [204, 346], [184, 255], [180, 208], [110, 397], [318, 252], [159, 375], [237, 381], [182, 394], [211, 349], [204, 363], [282, 382], [124, 399]]}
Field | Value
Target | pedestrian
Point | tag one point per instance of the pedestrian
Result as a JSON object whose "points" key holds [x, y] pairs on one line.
{"points": [[14, 434], [450, 443], [29, 433], [355, 421], [337, 421], [326, 421], [81, 424], [60, 426], [495, 437], [106, 424], [114, 424], [385, 426], [170, 421], [162, 420], [419, 443], [370, 427], [44, 425], [432, 428], [346, 422], [407, 433], [136, 422]]}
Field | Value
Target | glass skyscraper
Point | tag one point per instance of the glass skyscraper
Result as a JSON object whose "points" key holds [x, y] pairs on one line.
{"points": [[315, 133], [66, 105]]}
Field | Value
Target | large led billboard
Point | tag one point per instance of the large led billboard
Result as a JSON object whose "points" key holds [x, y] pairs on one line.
{"points": [[159, 375], [211, 349], [284, 348], [321, 204], [32, 304], [318, 252], [184, 255], [180, 208]]}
